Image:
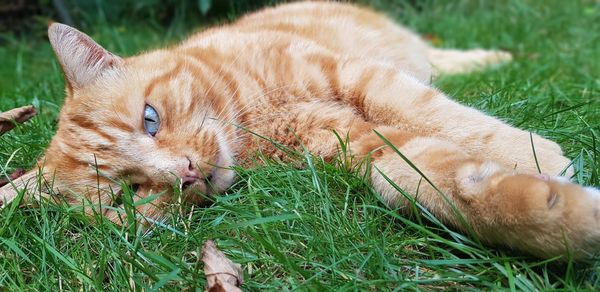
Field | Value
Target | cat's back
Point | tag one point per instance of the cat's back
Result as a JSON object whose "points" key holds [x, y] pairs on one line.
{"points": [[343, 29]]}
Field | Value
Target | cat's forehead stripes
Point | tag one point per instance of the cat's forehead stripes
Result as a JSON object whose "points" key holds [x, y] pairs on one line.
{"points": [[162, 78], [217, 66]]}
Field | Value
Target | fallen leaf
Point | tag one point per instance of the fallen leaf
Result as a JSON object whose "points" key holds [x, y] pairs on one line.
{"points": [[222, 275], [18, 115]]}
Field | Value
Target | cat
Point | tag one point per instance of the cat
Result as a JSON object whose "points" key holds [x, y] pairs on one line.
{"points": [[183, 116]]}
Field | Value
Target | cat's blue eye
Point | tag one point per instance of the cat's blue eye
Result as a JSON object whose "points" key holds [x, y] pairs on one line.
{"points": [[151, 120]]}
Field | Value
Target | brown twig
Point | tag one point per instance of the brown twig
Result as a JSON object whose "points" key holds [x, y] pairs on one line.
{"points": [[18, 115], [16, 174]]}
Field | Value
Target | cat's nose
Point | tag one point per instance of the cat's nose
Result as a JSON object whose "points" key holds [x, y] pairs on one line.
{"points": [[189, 175]]}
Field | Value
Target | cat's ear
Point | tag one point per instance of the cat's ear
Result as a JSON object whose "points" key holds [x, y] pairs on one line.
{"points": [[32, 182], [82, 59]]}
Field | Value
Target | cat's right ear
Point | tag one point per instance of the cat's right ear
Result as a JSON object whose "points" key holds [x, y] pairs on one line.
{"points": [[82, 59]]}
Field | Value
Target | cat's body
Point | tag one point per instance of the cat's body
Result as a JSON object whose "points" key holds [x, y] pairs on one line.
{"points": [[295, 74]]}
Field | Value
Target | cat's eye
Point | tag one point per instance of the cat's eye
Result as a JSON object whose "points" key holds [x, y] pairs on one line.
{"points": [[151, 120]]}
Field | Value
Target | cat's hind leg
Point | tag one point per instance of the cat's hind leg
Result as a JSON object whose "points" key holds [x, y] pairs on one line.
{"points": [[541, 215], [452, 61]]}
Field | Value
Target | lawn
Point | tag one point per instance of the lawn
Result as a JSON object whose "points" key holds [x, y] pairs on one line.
{"points": [[321, 227]]}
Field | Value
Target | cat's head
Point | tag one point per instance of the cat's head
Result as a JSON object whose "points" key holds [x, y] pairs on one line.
{"points": [[151, 121]]}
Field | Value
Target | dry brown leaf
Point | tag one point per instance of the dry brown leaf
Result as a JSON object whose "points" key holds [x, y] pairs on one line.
{"points": [[17, 115], [222, 275]]}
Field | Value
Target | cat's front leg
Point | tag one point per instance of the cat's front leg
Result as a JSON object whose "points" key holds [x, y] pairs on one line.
{"points": [[541, 215], [388, 96]]}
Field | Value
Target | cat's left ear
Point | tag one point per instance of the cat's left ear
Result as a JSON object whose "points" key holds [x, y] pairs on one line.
{"points": [[82, 59]]}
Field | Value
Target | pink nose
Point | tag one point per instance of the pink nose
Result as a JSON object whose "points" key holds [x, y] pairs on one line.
{"points": [[189, 176]]}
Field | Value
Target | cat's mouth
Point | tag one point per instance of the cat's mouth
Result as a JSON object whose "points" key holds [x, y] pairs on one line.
{"points": [[216, 182], [197, 184], [190, 181], [196, 187]]}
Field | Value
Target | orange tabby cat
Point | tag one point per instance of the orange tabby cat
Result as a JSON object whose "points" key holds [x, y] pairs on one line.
{"points": [[295, 73]]}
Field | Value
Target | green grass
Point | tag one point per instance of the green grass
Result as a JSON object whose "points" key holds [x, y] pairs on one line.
{"points": [[319, 228]]}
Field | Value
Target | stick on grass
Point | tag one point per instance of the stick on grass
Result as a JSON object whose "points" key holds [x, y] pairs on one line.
{"points": [[9, 119]]}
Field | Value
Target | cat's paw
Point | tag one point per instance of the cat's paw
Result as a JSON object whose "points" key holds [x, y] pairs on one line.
{"points": [[489, 57], [448, 61], [530, 153], [549, 216], [549, 157]]}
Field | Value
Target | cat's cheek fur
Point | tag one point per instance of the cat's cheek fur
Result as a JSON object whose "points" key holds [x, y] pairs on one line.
{"points": [[223, 175]]}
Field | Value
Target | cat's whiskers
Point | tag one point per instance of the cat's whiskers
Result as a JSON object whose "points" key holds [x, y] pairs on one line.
{"points": [[209, 107], [258, 94], [233, 112], [245, 126], [222, 111], [206, 110], [220, 71]]}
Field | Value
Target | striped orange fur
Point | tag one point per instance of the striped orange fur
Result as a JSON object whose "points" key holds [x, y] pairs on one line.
{"points": [[296, 73]]}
